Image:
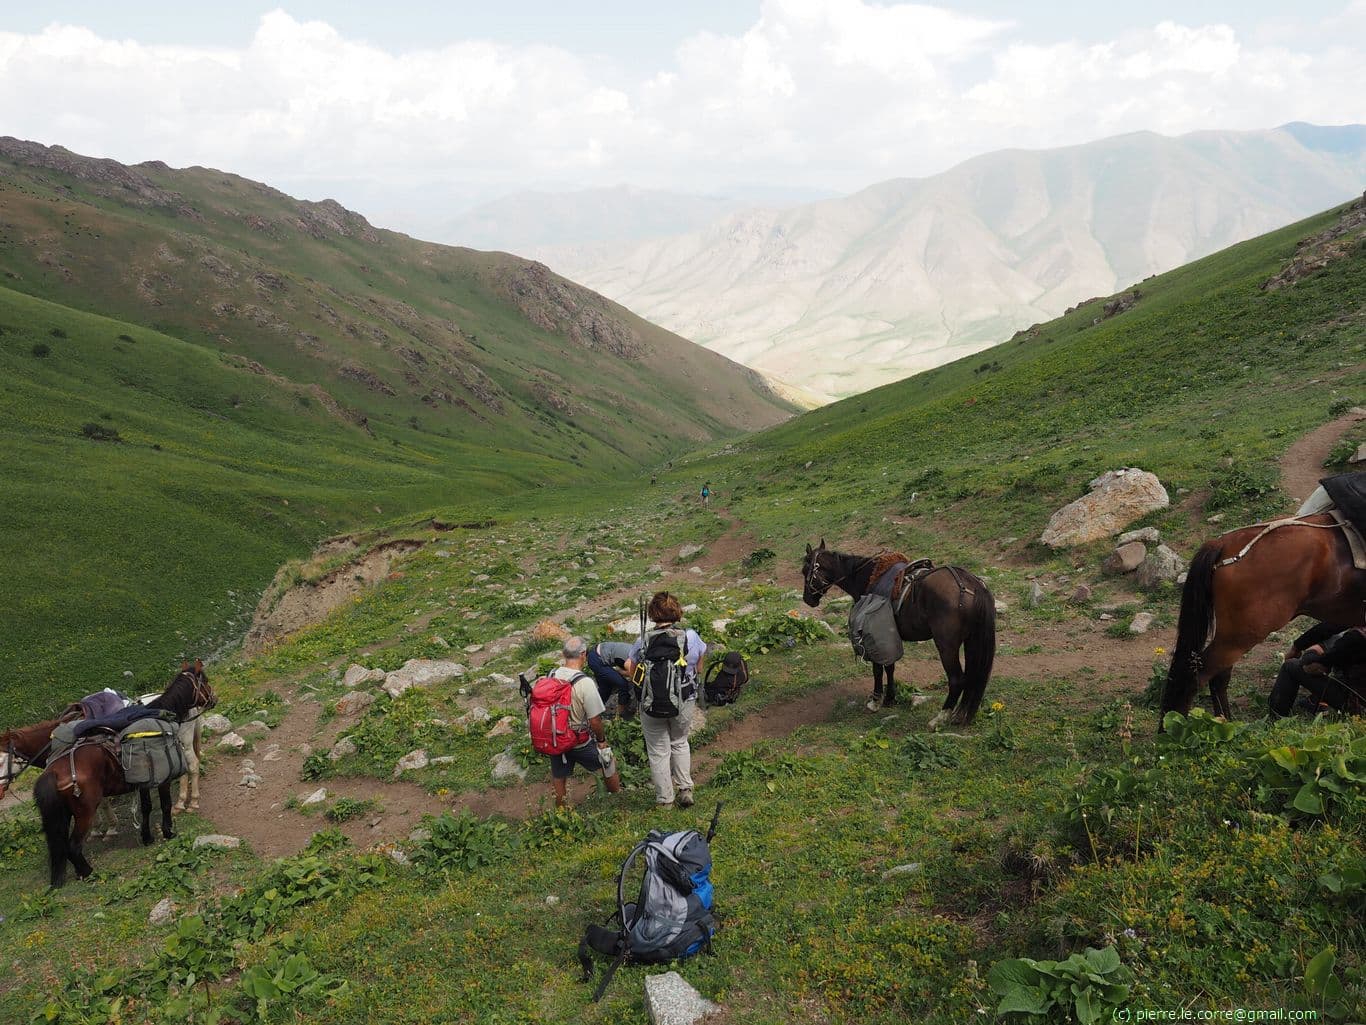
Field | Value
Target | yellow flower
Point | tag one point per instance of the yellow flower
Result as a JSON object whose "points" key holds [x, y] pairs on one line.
{"points": [[997, 706], [1159, 651]]}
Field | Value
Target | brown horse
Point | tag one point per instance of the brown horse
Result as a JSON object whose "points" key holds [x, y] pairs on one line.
{"points": [[25, 746], [949, 605], [1243, 585], [77, 780]]}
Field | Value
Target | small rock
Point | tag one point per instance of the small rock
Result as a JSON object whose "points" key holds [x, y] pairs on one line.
{"points": [[1002, 606], [162, 912], [1359, 456], [218, 841], [355, 702], [470, 649], [719, 625], [506, 767], [420, 835], [1148, 534], [1036, 594], [397, 856], [273, 756], [251, 781], [502, 679], [698, 722], [670, 1000], [1142, 622], [1106, 617], [358, 675], [317, 797], [695, 570], [1126, 558], [919, 699], [476, 714], [255, 728], [1216, 518], [627, 625], [1161, 564], [305, 749], [551, 900], [1080, 595], [442, 760], [440, 641], [129, 673], [217, 723], [910, 868], [689, 552], [1181, 577], [440, 554], [343, 748], [232, 740], [502, 728], [746, 609], [412, 760]]}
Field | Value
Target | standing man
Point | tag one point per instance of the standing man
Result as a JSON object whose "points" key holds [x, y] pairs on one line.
{"points": [[585, 716], [666, 737]]}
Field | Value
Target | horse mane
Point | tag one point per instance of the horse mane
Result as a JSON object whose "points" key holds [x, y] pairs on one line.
{"points": [[883, 561]]}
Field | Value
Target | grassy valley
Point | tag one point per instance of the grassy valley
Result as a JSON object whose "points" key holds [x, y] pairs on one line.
{"points": [[202, 377], [867, 869]]}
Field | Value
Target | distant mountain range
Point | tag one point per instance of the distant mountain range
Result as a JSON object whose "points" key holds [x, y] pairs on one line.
{"points": [[839, 295]]}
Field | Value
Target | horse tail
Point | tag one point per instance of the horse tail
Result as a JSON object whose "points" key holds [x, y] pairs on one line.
{"points": [[1192, 632], [979, 653], [56, 816]]}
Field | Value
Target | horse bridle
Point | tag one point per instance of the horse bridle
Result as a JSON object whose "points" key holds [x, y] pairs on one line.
{"points": [[12, 758], [824, 583]]}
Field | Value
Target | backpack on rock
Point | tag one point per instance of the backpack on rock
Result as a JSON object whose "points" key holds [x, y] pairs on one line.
{"points": [[725, 678], [670, 918]]}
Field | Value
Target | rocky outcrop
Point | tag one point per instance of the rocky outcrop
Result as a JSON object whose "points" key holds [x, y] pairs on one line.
{"points": [[421, 672], [557, 305], [1316, 252], [1117, 498], [110, 178]]}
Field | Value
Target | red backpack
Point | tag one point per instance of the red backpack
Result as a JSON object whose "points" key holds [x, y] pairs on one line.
{"points": [[548, 715]]}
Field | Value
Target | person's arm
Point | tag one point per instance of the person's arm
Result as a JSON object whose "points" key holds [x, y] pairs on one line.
{"points": [[1314, 637], [598, 730], [1346, 649]]}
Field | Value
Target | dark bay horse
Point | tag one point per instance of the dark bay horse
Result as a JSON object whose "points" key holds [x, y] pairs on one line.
{"points": [[1243, 585], [948, 605], [77, 780]]}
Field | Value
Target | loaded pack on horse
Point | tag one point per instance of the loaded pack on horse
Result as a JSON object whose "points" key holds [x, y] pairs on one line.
{"points": [[1249, 582], [134, 749], [29, 746], [946, 604]]}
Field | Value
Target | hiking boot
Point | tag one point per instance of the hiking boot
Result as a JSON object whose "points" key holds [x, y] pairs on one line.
{"points": [[685, 799]]}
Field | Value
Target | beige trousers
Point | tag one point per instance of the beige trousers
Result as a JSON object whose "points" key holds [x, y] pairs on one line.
{"points": [[666, 746]]}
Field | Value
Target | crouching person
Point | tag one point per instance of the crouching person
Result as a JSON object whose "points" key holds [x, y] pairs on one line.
{"points": [[565, 716], [1327, 662]]}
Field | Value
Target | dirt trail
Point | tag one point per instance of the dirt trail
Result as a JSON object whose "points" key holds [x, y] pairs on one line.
{"points": [[1302, 464]]}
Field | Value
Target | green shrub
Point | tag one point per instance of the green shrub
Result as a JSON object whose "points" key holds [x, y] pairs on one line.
{"points": [[344, 809], [1239, 485], [99, 432], [1087, 987], [758, 557], [463, 843], [40, 349]]}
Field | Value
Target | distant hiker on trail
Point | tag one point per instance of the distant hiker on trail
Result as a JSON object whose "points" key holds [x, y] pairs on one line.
{"points": [[606, 661], [706, 493], [669, 658], [565, 715], [1328, 662]]}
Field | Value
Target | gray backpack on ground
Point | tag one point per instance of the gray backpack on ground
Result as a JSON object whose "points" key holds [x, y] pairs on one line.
{"points": [[873, 632], [150, 752]]}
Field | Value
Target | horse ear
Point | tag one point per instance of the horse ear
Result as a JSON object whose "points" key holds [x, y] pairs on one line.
{"points": [[809, 549], [821, 546], [185, 665], [199, 665]]}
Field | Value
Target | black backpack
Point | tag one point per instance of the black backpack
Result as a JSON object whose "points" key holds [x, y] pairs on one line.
{"points": [[724, 679], [671, 917]]}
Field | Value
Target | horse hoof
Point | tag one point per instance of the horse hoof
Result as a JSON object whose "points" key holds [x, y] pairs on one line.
{"points": [[146, 840], [194, 806], [179, 806], [873, 704]]}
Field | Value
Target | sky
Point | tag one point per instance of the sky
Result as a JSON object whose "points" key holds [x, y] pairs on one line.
{"points": [[483, 99]]}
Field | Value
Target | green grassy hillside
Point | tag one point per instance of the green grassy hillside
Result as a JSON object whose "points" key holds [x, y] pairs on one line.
{"points": [[867, 870], [276, 371]]}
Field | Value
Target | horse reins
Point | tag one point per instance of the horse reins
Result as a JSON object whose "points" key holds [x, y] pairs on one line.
{"points": [[13, 756]]}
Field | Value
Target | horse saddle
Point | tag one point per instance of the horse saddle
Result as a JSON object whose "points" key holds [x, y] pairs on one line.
{"points": [[900, 579], [1347, 492]]}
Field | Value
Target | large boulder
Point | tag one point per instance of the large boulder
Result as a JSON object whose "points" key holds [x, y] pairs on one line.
{"points": [[671, 1000], [421, 672], [1117, 498], [1161, 564]]}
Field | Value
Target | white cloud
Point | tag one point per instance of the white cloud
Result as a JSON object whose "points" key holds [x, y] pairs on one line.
{"points": [[826, 93]]}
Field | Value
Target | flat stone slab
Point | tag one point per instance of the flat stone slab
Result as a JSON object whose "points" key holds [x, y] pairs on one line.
{"points": [[218, 841], [671, 1000]]}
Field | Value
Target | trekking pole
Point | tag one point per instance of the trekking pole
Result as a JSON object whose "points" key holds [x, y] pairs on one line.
{"points": [[711, 830]]}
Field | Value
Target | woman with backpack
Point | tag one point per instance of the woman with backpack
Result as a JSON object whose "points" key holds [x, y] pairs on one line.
{"points": [[668, 659]]}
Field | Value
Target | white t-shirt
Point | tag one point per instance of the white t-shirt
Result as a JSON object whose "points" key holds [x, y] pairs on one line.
{"points": [[586, 703]]}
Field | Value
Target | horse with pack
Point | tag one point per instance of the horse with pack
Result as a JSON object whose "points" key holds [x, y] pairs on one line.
{"points": [[896, 599], [132, 749], [1247, 583]]}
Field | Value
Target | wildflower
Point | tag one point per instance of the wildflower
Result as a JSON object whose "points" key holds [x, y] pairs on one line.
{"points": [[1159, 651], [998, 706]]}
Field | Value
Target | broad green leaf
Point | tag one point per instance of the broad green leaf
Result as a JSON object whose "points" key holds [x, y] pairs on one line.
{"points": [[1319, 971], [1308, 799]]}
